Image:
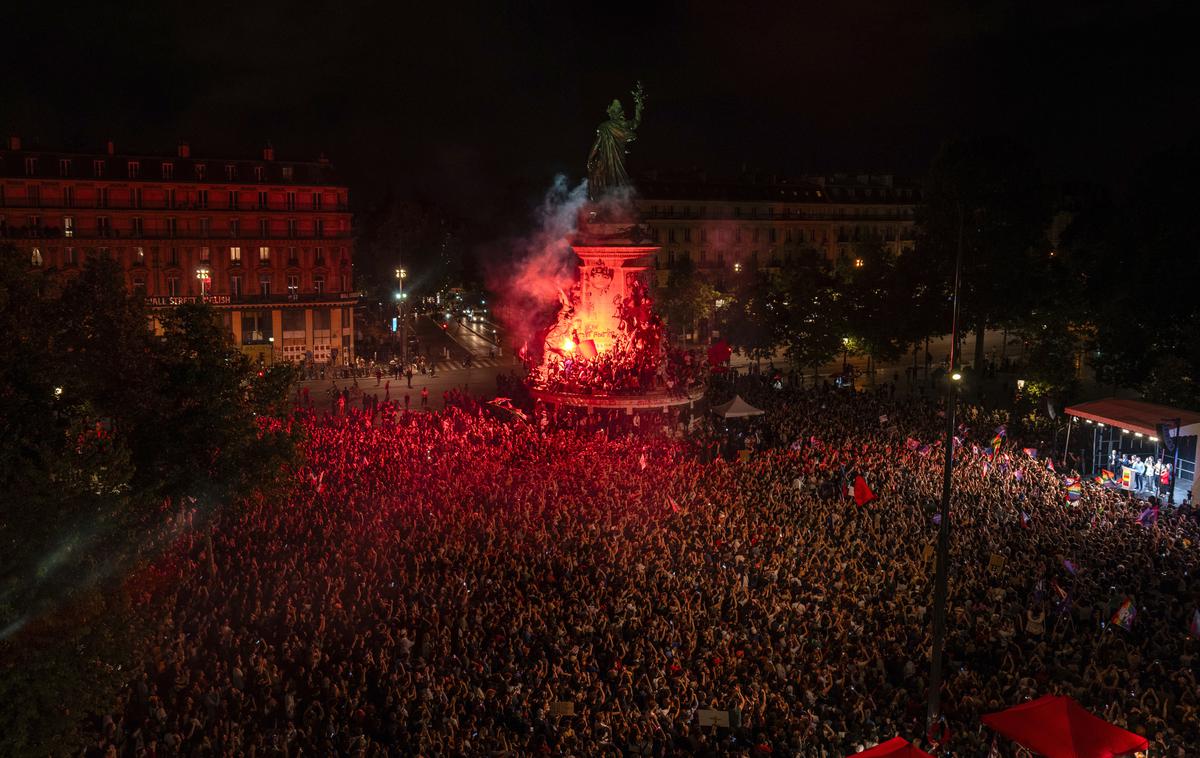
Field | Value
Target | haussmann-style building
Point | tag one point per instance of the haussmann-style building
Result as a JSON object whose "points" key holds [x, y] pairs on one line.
{"points": [[267, 242], [726, 226]]}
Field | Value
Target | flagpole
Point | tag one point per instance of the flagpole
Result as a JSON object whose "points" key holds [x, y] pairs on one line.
{"points": [[943, 544], [1067, 444]]}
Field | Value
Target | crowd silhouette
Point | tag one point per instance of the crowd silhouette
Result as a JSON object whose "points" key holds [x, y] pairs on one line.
{"points": [[466, 583]]}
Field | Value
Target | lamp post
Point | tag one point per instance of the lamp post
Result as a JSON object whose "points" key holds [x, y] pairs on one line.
{"points": [[401, 275], [204, 275], [940, 587], [845, 353]]}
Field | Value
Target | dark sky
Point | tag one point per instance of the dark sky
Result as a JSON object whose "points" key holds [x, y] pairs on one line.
{"points": [[475, 109]]}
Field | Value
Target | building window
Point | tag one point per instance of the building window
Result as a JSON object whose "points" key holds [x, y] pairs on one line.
{"points": [[293, 285], [291, 200], [200, 169], [202, 198], [35, 256], [259, 173], [316, 201], [205, 226], [291, 227], [98, 168], [319, 256], [134, 168], [288, 173], [771, 236], [235, 286], [670, 235], [173, 257], [137, 226], [35, 195], [68, 226], [262, 199], [173, 286], [103, 226], [64, 166], [292, 258], [318, 283], [264, 284], [30, 166], [264, 228], [235, 226], [68, 197], [230, 172], [171, 226], [235, 256], [69, 256], [264, 255], [204, 255], [135, 198], [168, 170], [687, 234], [318, 228]]}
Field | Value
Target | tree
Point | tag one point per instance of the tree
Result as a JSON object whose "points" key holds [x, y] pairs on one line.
{"points": [[1134, 259], [871, 302], [989, 194], [108, 432], [688, 297], [814, 325], [756, 314]]}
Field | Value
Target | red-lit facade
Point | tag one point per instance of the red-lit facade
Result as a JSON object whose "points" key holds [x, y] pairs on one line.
{"points": [[268, 243]]}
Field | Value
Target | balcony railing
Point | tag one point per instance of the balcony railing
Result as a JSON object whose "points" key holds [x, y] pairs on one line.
{"points": [[53, 232]]}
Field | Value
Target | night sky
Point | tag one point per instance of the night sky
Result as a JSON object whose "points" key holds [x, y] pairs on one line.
{"points": [[474, 110]]}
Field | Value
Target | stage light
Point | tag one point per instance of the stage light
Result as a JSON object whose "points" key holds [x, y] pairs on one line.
{"points": [[1154, 439], [956, 376], [1124, 431], [58, 391], [567, 345], [1137, 434], [1086, 420]]}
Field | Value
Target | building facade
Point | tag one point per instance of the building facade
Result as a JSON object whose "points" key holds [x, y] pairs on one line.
{"points": [[727, 226], [268, 243]]}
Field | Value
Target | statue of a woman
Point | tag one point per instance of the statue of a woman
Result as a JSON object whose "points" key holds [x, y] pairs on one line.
{"points": [[606, 162]]}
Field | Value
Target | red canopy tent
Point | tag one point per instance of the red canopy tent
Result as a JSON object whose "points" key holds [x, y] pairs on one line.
{"points": [[1058, 727], [897, 747]]}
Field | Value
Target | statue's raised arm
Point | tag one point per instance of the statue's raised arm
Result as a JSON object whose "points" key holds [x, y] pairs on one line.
{"points": [[606, 161]]}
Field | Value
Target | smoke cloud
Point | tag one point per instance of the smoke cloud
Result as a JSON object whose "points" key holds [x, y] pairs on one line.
{"points": [[527, 291]]}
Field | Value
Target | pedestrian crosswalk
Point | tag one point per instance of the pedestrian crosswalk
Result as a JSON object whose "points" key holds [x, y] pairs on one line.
{"points": [[497, 362]]}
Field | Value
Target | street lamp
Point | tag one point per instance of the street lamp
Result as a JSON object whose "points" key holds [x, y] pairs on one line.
{"points": [[204, 275], [845, 353], [401, 275]]}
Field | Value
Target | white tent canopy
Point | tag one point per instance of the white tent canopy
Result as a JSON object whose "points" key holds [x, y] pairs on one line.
{"points": [[736, 408]]}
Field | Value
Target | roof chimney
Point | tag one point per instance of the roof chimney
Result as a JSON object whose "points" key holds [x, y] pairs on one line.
{"points": [[111, 147], [268, 153], [185, 150]]}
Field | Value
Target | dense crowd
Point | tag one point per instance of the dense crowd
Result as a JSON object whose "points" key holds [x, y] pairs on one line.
{"points": [[466, 584]]}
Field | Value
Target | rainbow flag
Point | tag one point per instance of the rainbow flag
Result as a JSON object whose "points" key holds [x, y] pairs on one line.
{"points": [[1074, 489], [996, 442], [1125, 614], [1030, 451], [1050, 463]]}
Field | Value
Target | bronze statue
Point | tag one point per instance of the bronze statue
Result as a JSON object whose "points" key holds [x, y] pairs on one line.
{"points": [[606, 162]]}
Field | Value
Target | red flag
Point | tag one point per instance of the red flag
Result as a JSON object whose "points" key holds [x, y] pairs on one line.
{"points": [[862, 493]]}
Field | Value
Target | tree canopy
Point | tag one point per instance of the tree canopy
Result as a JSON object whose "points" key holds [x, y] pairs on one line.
{"points": [[108, 430]]}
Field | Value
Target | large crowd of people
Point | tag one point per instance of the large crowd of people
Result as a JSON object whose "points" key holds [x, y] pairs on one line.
{"points": [[466, 583]]}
